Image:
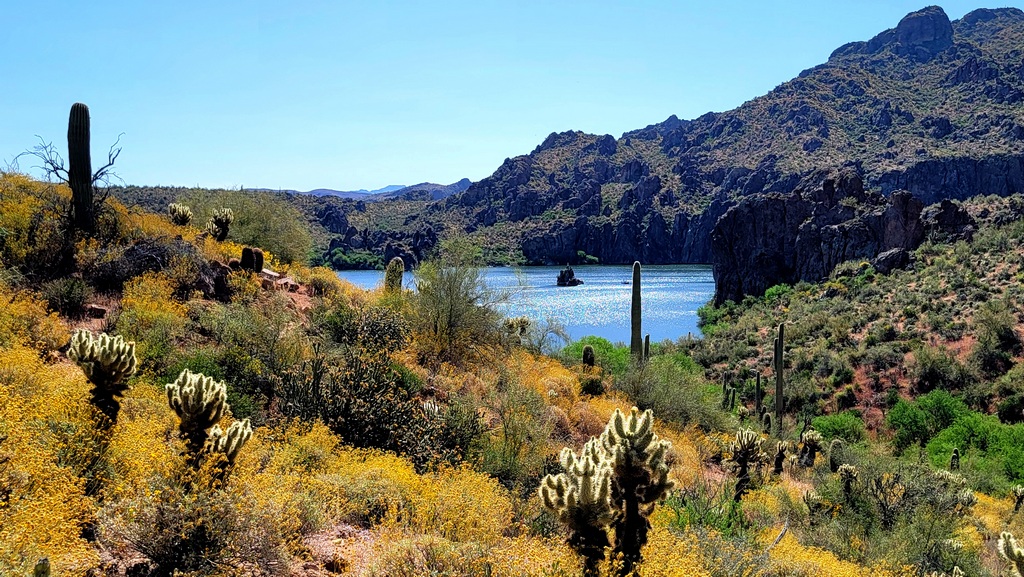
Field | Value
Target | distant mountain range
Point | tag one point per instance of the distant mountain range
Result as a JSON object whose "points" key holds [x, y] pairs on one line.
{"points": [[421, 191]]}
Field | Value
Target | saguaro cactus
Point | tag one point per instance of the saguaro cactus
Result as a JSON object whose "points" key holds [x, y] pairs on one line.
{"points": [[107, 362], [393, 275], [746, 449], [180, 214], [835, 455], [636, 343], [778, 363], [588, 356], [80, 169], [954, 460], [758, 395], [581, 497]]}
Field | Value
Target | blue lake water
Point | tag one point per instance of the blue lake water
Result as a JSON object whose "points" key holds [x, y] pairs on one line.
{"points": [[670, 295]]}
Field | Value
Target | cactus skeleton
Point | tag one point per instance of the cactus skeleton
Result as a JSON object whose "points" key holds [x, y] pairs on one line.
{"points": [[107, 362]]}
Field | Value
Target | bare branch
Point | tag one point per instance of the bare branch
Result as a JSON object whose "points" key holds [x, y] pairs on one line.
{"points": [[103, 174], [52, 162]]}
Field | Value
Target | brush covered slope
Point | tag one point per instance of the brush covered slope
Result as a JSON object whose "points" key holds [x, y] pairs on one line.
{"points": [[329, 430]]}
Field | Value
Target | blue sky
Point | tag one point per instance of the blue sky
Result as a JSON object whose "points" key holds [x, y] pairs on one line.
{"points": [[350, 95]]}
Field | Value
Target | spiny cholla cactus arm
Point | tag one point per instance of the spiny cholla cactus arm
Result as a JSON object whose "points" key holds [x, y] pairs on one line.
{"points": [[639, 479], [180, 214], [580, 497], [107, 362], [199, 402], [746, 449], [848, 475], [780, 452], [220, 223], [228, 443], [1017, 491], [1011, 551]]}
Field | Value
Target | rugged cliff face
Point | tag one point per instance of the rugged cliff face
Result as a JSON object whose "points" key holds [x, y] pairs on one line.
{"points": [[767, 239]]}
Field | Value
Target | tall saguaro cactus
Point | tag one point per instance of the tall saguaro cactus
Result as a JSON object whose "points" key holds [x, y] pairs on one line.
{"points": [[80, 169], [778, 363], [636, 343]]}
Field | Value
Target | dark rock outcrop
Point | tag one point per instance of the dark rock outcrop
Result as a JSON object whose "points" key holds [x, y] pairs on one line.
{"points": [[770, 239]]}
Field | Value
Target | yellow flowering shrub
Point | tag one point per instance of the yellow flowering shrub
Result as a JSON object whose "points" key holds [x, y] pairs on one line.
{"points": [[42, 501], [32, 217], [24, 320], [669, 555], [151, 317], [789, 557], [525, 556]]}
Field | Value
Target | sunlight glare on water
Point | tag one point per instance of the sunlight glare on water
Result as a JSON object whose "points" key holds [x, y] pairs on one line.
{"points": [[671, 295]]}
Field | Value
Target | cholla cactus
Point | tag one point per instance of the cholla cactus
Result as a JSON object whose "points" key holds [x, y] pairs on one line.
{"points": [[639, 478], [1017, 491], [781, 448], [42, 568], [746, 449], [848, 476], [581, 498], [1011, 551], [811, 445], [107, 362], [230, 442], [815, 505], [220, 223], [180, 214], [954, 460], [888, 493], [965, 499], [614, 483], [199, 402]]}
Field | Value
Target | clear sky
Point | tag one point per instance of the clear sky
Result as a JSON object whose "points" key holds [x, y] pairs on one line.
{"points": [[350, 95]]}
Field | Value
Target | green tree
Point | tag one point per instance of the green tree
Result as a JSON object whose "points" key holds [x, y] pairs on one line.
{"points": [[455, 313]]}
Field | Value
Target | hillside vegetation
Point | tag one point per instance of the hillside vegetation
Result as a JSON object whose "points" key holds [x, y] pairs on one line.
{"points": [[406, 433]]}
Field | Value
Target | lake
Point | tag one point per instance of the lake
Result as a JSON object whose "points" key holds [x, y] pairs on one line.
{"points": [[671, 295]]}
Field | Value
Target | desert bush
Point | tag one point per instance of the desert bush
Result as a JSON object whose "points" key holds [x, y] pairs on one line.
{"points": [[937, 368], [847, 426], [453, 312], [675, 391], [260, 219], [152, 318], [25, 320], [33, 218], [67, 295]]}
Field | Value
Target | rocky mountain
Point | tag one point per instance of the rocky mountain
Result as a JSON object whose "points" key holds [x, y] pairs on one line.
{"points": [[931, 107]]}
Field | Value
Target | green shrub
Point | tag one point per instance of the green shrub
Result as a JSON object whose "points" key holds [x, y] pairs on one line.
{"points": [[261, 219], [608, 356], [67, 295], [847, 426]]}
